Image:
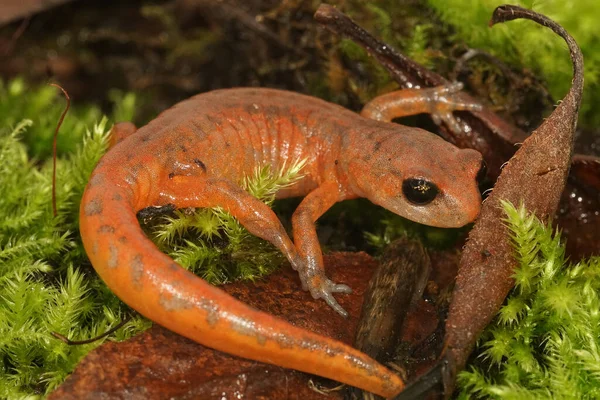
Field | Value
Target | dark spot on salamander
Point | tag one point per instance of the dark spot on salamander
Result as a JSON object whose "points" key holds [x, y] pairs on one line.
{"points": [[172, 175], [122, 239], [117, 197], [252, 108], [200, 164], [145, 138], [137, 271], [106, 229], [113, 256], [174, 266], [214, 120], [93, 207], [336, 162], [227, 144], [129, 156], [182, 148], [377, 146]]}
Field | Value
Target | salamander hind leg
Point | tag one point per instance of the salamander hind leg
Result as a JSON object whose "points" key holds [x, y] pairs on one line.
{"points": [[252, 213], [304, 255], [244, 331], [438, 101]]}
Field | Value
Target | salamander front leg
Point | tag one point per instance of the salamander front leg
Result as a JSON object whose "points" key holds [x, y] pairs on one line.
{"points": [[253, 214], [304, 255], [305, 238], [438, 101]]}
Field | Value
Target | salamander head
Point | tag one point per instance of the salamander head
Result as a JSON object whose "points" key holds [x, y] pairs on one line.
{"points": [[419, 176]]}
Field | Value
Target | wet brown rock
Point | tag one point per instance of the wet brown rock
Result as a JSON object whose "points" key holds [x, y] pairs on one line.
{"points": [[159, 364]]}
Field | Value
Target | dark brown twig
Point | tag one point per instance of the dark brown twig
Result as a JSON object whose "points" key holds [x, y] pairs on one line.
{"points": [[60, 121], [402, 69], [94, 339], [492, 136], [509, 12]]}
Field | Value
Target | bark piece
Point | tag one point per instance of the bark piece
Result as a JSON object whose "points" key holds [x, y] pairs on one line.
{"points": [[159, 364], [535, 176]]}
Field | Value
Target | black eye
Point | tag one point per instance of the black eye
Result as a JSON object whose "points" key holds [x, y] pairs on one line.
{"points": [[419, 191]]}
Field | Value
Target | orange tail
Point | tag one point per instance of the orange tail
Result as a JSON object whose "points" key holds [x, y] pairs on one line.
{"points": [[158, 288]]}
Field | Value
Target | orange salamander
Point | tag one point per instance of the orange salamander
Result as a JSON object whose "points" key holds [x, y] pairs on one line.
{"points": [[196, 153]]}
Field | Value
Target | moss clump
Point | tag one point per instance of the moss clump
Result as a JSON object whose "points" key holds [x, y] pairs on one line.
{"points": [[46, 281], [214, 245], [545, 341], [527, 45]]}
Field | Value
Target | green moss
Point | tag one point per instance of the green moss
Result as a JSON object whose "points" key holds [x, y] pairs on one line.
{"points": [[527, 45], [46, 281], [43, 284], [214, 245], [393, 226], [545, 341]]}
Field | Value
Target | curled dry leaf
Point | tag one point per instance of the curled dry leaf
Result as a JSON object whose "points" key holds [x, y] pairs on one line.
{"points": [[535, 176]]}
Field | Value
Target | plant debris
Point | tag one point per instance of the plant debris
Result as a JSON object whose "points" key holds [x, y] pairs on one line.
{"points": [[534, 177]]}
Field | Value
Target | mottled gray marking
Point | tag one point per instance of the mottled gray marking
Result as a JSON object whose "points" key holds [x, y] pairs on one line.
{"points": [[247, 327], [174, 303], [106, 229], [261, 339], [212, 317], [113, 256], [97, 179], [137, 271], [285, 342], [93, 207], [122, 239], [95, 247], [145, 138], [117, 197]]}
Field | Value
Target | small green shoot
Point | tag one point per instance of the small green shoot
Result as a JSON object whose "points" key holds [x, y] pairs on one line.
{"points": [[545, 341]]}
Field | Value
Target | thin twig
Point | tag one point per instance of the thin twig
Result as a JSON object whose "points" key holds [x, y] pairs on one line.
{"points": [[94, 339], [60, 121]]}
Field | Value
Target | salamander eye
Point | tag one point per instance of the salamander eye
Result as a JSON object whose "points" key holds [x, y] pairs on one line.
{"points": [[419, 191]]}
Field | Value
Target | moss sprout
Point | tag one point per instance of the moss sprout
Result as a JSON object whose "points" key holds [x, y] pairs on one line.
{"points": [[545, 340]]}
